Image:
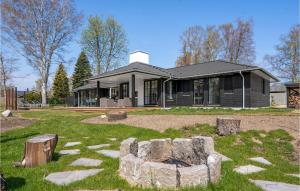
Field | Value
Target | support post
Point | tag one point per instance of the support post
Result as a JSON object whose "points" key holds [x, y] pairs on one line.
{"points": [[243, 78], [98, 93], [133, 90]]}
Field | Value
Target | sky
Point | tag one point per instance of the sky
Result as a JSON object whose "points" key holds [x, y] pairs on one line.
{"points": [[155, 26]]}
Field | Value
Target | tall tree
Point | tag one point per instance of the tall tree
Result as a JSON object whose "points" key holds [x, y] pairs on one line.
{"points": [[60, 83], [82, 70], [212, 44], [42, 28], [105, 42], [286, 61], [238, 45]]}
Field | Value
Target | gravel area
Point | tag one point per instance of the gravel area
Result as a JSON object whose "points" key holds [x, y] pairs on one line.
{"points": [[11, 123], [163, 122]]}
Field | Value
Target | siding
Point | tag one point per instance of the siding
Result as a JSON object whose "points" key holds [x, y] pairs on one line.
{"points": [[258, 99]]}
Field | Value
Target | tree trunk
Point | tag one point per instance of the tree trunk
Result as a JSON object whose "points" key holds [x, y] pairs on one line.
{"points": [[39, 150], [44, 93]]}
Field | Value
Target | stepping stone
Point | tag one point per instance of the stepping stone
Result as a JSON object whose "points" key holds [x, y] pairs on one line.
{"points": [[67, 177], [296, 175], [86, 162], [70, 144], [275, 186], [261, 160], [112, 139], [248, 169], [109, 153], [69, 152], [98, 146], [224, 158]]}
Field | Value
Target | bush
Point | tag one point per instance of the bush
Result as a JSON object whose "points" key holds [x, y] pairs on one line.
{"points": [[56, 101], [33, 97]]}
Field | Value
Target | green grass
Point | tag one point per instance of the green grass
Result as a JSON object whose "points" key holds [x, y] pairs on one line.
{"points": [[276, 148], [215, 111]]}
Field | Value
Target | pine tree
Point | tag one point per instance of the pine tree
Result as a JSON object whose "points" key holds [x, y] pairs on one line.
{"points": [[60, 84], [82, 70]]}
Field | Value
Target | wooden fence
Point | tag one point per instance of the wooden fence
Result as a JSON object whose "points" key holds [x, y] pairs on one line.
{"points": [[11, 98]]}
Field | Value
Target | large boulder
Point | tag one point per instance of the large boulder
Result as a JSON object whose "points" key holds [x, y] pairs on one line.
{"points": [[130, 168], [7, 113], [214, 166], [161, 149], [228, 126], [144, 150], [193, 176], [129, 146]]}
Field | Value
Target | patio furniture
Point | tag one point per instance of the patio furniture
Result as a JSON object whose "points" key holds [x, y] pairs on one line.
{"points": [[126, 102], [106, 102]]}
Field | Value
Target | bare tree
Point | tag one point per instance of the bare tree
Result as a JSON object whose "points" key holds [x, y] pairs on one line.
{"points": [[105, 42], [286, 61], [212, 44], [238, 45], [40, 29]]}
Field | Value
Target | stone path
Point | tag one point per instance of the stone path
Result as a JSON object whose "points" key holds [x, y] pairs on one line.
{"points": [[69, 152], [296, 175], [70, 144], [109, 153], [275, 186], [98, 146], [86, 162], [224, 158], [67, 177], [248, 169], [261, 160]]}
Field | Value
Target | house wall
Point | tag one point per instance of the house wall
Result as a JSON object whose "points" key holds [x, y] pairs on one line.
{"points": [[257, 98], [278, 99]]}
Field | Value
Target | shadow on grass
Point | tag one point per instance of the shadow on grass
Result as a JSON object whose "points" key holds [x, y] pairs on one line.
{"points": [[5, 138], [56, 156], [15, 182]]}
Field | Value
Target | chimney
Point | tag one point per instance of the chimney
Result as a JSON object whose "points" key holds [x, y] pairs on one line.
{"points": [[139, 56]]}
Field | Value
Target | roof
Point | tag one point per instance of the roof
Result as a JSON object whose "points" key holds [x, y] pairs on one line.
{"points": [[292, 84], [277, 87], [86, 86], [195, 70]]}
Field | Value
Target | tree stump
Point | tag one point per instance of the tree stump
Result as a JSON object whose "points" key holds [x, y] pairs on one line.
{"points": [[39, 150], [228, 126], [116, 115]]}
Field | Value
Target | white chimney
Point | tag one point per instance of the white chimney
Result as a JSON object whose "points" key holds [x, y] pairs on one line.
{"points": [[139, 56]]}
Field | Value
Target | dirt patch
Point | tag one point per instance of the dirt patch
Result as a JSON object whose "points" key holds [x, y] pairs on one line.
{"points": [[11, 123]]}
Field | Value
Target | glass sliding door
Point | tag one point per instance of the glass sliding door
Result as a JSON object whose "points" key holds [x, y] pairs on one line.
{"points": [[199, 92], [214, 91], [150, 92]]}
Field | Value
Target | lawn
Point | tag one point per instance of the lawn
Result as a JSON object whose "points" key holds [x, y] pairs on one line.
{"points": [[216, 111], [276, 148]]}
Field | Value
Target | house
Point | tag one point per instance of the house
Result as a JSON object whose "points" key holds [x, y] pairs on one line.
{"points": [[216, 83], [285, 94]]}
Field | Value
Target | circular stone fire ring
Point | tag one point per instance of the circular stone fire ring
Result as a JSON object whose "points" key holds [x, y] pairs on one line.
{"points": [[163, 163]]}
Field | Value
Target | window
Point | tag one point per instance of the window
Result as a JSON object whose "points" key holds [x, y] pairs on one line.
{"points": [[183, 86], [124, 90], [150, 92], [170, 90], [228, 84], [263, 86], [214, 91], [199, 92], [114, 92]]}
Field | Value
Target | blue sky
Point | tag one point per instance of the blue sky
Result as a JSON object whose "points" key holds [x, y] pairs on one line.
{"points": [[155, 26]]}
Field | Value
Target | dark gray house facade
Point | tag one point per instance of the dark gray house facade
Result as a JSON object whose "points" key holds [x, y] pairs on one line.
{"points": [[216, 84]]}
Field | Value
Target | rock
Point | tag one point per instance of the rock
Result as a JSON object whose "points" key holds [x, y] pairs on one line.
{"points": [[193, 176], [223, 157], [261, 160], [129, 146], [275, 186], [86, 162], [295, 175], [67, 177], [144, 150], [208, 144], [70, 144], [116, 115], [103, 116], [130, 168], [109, 153], [182, 150], [214, 167], [248, 169], [69, 152], [159, 175], [228, 126], [7, 113], [98, 146], [161, 149]]}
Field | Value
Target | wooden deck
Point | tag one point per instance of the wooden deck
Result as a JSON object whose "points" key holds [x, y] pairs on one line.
{"points": [[107, 109]]}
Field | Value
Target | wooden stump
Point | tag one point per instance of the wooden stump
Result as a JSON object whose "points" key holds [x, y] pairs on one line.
{"points": [[228, 126], [116, 115], [39, 150]]}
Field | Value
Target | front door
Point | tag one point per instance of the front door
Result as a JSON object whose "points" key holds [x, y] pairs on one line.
{"points": [[199, 92], [150, 92]]}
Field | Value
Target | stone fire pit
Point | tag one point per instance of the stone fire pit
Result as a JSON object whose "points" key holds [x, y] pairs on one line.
{"points": [[163, 163]]}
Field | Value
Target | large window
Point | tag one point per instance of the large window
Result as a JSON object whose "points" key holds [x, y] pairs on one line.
{"points": [[214, 91], [151, 92], [199, 92], [114, 92], [228, 84], [124, 90]]}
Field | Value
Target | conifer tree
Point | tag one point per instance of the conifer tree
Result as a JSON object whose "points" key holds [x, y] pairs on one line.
{"points": [[82, 70], [60, 84]]}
